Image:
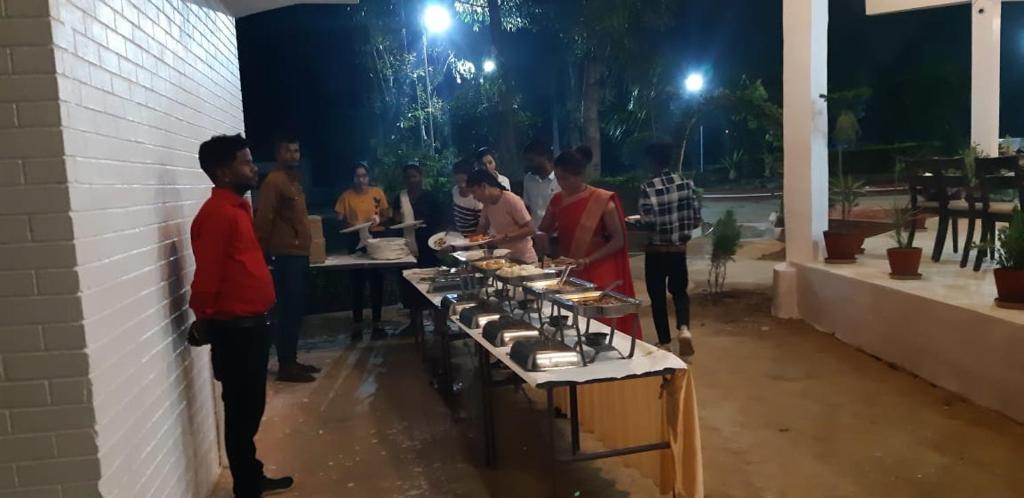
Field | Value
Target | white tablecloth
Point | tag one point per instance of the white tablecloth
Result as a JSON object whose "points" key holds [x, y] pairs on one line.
{"points": [[647, 359], [360, 261]]}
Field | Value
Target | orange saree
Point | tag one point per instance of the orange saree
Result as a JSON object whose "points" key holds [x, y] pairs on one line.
{"points": [[582, 231]]}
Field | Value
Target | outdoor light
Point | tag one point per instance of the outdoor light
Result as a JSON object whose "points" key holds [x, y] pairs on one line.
{"points": [[489, 66], [694, 83], [437, 19]]}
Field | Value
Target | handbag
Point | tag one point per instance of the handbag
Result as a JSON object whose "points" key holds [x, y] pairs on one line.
{"points": [[198, 334]]}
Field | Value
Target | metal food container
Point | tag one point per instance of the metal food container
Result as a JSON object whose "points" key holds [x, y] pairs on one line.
{"points": [[506, 331], [458, 282], [471, 256], [545, 354], [453, 304], [475, 317], [521, 281], [486, 265], [550, 286], [618, 305]]}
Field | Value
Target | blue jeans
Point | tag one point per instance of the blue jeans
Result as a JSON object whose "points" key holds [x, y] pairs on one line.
{"points": [[290, 275]]}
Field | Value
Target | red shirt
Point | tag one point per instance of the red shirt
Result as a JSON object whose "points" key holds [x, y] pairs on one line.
{"points": [[231, 278]]}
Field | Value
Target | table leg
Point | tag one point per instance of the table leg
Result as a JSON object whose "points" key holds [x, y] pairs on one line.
{"points": [[447, 381], [490, 450], [553, 460]]}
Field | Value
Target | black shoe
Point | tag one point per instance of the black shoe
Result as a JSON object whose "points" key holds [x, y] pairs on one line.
{"points": [[292, 373], [378, 334], [310, 369], [268, 485]]}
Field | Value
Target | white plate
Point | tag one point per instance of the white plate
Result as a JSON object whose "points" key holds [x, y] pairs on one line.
{"points": [[471, 255], [633, 219], [356, 228], [410, 224], [464, 243], [441, 240]]}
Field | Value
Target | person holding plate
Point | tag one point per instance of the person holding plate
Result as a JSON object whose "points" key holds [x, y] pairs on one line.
{"points": [[505, 214], [418, 204], [361, 204]]}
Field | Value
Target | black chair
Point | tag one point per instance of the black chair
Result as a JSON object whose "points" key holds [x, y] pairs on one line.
{"points": [[936, 187], [995, 176]]}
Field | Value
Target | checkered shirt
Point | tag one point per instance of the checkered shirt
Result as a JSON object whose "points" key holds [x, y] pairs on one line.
{"points": [[670, 208]]}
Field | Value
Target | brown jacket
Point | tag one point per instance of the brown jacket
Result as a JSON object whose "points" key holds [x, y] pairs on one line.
{"points": [[282, 224]]}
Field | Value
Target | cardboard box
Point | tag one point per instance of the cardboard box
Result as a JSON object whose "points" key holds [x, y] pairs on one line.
{"points": [[318, 251], [316, 227]]}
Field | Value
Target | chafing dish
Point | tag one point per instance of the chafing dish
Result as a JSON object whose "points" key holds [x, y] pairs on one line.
{"points": [[476, 317], [522, 280], [491, 266], [550, 286], [545, 354], [586, 304], [505, 331], [457, 282], [453, 304]]}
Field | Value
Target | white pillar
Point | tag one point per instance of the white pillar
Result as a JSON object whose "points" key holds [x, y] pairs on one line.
{"points": [[805, 139], [986, 21]]}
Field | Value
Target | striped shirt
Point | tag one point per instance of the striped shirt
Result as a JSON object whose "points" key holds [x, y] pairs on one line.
{"points": [[466, 211]]}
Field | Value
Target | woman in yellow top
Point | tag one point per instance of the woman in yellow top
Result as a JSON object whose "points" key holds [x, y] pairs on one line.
{"points": [[364, 204]]}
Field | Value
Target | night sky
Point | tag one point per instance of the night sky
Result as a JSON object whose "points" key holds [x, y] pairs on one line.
{"points": [[301, 74]]}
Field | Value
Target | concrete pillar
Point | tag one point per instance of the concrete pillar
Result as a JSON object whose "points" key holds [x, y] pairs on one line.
{"points": [[805, 138], [986, 21]]}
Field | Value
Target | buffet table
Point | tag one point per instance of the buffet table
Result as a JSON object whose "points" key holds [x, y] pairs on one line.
{"points": [[647, 399]]}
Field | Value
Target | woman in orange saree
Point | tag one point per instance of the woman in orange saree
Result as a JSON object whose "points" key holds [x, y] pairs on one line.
{"points": [[591, 229]]}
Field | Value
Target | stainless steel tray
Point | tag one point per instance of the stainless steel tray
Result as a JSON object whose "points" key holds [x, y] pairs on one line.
{"points": [[458, 282], [506, 331], [546, 287], [475, 317], [545, 354], [576, 302], [478, 265], [521, 281]]}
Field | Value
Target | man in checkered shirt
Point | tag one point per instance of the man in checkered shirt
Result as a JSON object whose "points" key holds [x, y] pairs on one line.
{"points": [[669, 208]]}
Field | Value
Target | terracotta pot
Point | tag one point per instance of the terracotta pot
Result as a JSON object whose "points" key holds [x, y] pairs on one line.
{"points": [[1010, 285], [904, 261], [842, 245]]}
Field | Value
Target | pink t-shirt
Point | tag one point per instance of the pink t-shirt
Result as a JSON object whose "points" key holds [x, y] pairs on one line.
{"points": [[507, 216]]}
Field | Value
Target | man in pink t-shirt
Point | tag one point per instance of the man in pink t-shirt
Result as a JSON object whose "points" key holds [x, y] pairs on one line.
{"points": [[505, 214]]}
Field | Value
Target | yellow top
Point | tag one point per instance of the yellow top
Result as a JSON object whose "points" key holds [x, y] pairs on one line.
{"points": [[360, 207]]}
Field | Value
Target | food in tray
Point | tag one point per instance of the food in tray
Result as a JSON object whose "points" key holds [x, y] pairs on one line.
{"points": [[599, 301], [494, 264], [519, 271], [561, 262]]}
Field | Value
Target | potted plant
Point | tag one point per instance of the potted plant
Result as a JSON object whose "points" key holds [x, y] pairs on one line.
{"points": [[1010, 263], [904, 259], [844, 245]]}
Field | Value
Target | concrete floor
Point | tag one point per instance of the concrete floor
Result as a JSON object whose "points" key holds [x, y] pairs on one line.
{"points": [[786, 411]]}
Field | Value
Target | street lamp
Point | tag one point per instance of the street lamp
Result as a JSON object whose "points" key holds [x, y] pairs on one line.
{"points": [[489, 66], [436, 20], [694, 84]]}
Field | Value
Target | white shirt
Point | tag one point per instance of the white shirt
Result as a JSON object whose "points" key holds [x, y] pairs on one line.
{"points": [[503, 180], [537, 193]]}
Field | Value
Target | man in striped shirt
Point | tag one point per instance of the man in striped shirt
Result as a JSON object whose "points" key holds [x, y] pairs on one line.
{"points": [[670, 210], [466, 210]]}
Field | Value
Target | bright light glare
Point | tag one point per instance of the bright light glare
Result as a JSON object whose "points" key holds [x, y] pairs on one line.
{"points": [[489, 66], [694, 83], [437, 19]]}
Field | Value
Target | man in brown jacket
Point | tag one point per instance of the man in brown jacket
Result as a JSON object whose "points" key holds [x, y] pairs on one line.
{"points": [[282, 227]]}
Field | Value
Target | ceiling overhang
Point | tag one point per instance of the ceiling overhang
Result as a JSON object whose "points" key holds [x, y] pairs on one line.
{"points": [[242, 8]]}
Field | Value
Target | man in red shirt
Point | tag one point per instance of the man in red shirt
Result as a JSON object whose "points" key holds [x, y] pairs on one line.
{"points": [[232, 294]]}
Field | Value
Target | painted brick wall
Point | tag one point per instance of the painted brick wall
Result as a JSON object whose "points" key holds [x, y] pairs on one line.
{"points": [[103, 104], [47, 443], [142, 83]]}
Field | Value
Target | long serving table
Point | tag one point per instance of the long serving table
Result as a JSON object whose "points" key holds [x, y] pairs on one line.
{"points": [[647, 362]]}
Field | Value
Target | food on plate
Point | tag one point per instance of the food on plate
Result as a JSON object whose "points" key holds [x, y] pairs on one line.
{"points": [[558, 262], [478, 238], [519, 271], [494, 264], [440, 243]]}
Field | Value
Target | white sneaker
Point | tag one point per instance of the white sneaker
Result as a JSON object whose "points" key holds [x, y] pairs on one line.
{"points": [[682, 344]]}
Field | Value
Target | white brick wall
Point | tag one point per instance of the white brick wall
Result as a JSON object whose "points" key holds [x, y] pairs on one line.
{"points": [[103, 104]]}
